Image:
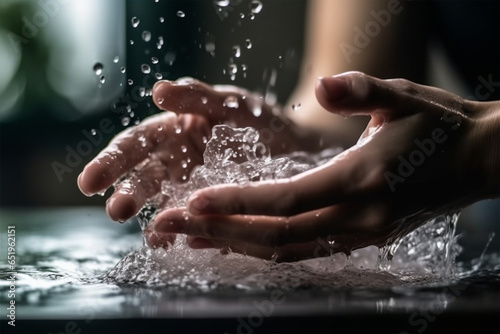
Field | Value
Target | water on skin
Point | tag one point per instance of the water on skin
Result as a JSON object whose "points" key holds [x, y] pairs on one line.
{"points": [[237, 156]]}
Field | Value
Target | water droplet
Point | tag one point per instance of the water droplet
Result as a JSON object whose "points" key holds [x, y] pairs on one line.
{"points": [[257, 111], [154, 60], [131, 42], [93, 132], [177, 129], [180, 13], [130, 82], [231, 102], [102, 79], [162, 19], [222, 3], [183, 149], [158, 76], [233, 68], [160, 100], [123, 69], [170, 58], [296, 107], [142, 139], [98, 68], [210, 47], [135, 22], [204, 100], [184, 164], [125, 121], [248, 43], [145, 69], [146, 35], [255, 6], [236, 51]]}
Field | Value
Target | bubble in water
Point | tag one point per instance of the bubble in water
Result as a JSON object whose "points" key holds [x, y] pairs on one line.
{"points": [[237, 51], [135, 22], [93, 132], [231, 102], [255, 6], [180, 13], [222, 3], [131, 42], [162, 19], [130, 82], [98, 68], [145, 69], [233, 68], [177, 129], [123, 69], [296, 107], [154, 60], [248, 43], [146, 35], [160, 101], [125, 121], [102, 79], [158, 76]]}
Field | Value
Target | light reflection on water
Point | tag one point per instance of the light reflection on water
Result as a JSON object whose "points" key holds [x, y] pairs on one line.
{"points": [[62, 256]]}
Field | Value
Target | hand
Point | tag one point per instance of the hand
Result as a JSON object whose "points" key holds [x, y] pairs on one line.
{"points": [[168, 146], [425, 151]]}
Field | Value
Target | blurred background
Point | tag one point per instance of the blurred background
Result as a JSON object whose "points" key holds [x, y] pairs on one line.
{"points": [[73, 73]]}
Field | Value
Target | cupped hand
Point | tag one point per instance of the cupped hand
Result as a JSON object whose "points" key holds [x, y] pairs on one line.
{"points": [[169, 145], [417, 158]]}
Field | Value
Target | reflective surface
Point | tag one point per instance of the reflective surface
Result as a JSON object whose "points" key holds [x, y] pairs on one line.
{"points": [[62, 255]]}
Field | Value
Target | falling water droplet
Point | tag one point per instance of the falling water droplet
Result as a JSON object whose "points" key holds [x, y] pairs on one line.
{"points": [[236, 51], [146, 35], [296, 107], [145, 69], [135, 22], [222, 3], [180, 13], [154, 60], [255, 6], [231, 102], [102, 79], [125, 121], [123, 69], [248, 43], [98, 68]]}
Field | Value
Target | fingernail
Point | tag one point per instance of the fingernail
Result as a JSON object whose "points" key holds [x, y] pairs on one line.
{"points": [[160, 83], [334, 88], [199, 243], [198, 204]]}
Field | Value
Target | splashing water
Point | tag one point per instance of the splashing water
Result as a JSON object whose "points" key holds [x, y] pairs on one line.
{"points": [[237, 156]]}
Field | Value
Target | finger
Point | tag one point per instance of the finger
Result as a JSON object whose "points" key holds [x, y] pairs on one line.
{"points": [[157, 240], [354, 93], [188, 95], [271, 231], [349, 176], [131, 194], [124, 152]]}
